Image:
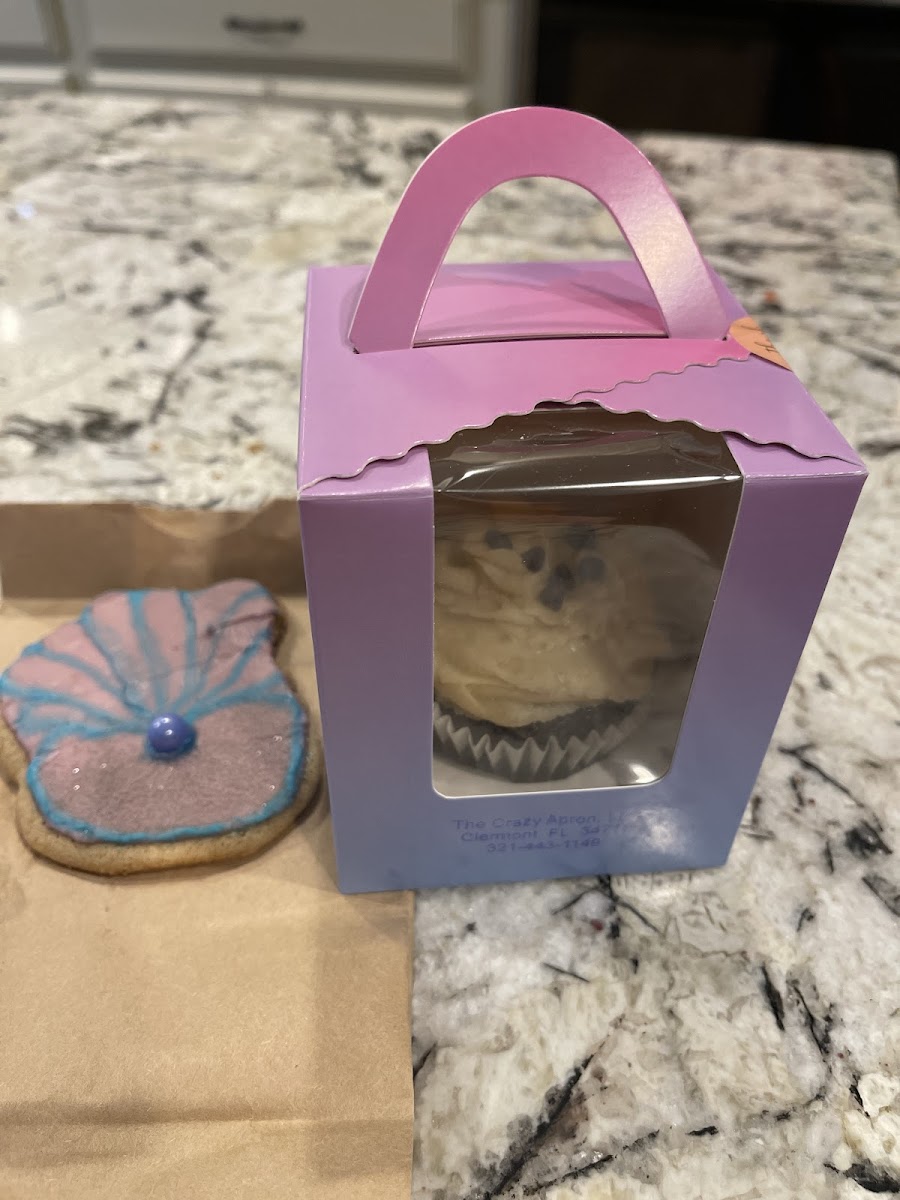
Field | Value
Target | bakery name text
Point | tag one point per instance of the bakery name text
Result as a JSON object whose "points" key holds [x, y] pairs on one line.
{"points": [[514, 828]]}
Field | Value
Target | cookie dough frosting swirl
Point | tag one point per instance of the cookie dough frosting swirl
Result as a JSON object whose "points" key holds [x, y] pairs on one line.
{"points": [[534, 621]]}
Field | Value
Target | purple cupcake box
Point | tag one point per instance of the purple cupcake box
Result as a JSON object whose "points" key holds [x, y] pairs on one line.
{"points": [[565, 531]]}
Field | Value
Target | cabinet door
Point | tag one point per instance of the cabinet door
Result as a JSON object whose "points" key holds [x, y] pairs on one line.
{"points": [[418, 33], [21, 26]]}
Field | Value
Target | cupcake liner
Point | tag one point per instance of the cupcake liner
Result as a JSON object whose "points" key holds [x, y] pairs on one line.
{"points": [[531, 759]]}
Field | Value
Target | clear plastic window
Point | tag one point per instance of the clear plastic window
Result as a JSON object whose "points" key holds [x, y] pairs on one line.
{"points": [[577, 557]]}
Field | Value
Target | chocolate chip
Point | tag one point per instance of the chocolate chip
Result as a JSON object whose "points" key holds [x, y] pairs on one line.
{"points": [[580, 537], [591, 569], [565, 576], [554, 591], [552, 595], [533, 559], [496, 540]]}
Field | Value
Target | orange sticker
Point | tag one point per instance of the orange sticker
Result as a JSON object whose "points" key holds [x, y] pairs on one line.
{"points": [[746, 331]]}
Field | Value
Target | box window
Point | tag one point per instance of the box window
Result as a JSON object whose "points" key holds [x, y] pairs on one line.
{"points": [[577, 558]]}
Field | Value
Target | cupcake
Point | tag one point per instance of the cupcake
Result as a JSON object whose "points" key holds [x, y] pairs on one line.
{"points": [[546, 640]]}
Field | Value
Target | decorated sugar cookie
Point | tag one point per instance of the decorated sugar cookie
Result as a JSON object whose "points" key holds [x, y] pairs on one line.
{"points": [[156, 731]]}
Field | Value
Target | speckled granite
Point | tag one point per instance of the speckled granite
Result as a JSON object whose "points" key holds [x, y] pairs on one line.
{"points": [[725, 1034]]}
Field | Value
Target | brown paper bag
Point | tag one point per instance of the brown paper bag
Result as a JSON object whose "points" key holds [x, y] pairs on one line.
{"points": [[230, 1032]]}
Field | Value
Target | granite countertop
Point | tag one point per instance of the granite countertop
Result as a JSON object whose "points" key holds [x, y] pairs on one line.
{"points": [[731, 1033]]}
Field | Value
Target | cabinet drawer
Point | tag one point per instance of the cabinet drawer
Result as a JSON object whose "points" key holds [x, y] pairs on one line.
{"points": [[403, 32]]}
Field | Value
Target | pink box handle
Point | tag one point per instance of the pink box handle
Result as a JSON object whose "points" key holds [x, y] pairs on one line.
{"points": [[515, 144]]}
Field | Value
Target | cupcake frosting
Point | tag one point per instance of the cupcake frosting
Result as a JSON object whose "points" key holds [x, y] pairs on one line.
{"points": [[533, 621]]}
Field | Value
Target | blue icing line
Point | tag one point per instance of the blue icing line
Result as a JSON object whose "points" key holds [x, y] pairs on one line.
{"points": [[279, 801], [240, 663], [29, 695], [88, 623], [271, 690], [157, 667], [32, 725], [80, 730], [222, 621], [191, 671], [39, 650]]}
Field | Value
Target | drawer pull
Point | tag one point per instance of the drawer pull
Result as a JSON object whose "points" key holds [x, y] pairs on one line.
{"points": [[263, 26]]}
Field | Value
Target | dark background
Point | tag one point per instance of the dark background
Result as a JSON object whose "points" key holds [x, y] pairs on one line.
{"points": [[811, 72]]}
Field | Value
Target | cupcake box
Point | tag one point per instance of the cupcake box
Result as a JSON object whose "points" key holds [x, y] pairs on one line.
{"points": [[565, 530]]}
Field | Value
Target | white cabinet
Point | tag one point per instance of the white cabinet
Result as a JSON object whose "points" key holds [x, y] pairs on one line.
{"points": [[404, 33], [21, 26], [30, 54], [445, 57]]}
